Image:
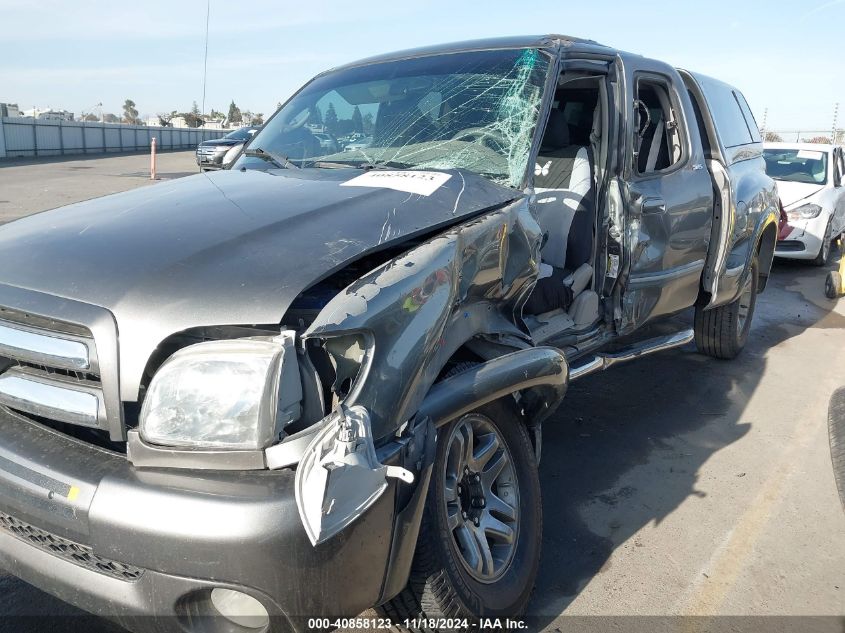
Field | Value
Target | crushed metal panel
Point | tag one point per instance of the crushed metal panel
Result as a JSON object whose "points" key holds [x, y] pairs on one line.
{"points": [[422, 306]]}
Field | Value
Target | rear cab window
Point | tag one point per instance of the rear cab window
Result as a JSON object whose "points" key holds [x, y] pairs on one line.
{"points": [[734, 122]]}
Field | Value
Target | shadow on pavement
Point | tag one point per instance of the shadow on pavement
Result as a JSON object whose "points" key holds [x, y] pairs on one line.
{"points": [[646, 413]]}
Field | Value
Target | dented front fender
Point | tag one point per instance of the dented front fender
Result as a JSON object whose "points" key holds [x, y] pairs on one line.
{"points": [[418, 309]]}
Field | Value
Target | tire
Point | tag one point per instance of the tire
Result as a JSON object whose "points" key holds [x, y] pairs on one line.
{"points": [[824, 249], [442, 583], [722, 332], [832, 284]]}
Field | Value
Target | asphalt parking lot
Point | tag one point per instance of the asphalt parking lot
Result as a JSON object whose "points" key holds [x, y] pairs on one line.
{"points": [[676, 485]]}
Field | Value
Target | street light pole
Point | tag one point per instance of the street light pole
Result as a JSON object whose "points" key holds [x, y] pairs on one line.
{"points": [[205, 60]]}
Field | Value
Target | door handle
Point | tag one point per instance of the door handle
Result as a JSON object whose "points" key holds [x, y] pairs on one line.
{"points": [[654, 205]]}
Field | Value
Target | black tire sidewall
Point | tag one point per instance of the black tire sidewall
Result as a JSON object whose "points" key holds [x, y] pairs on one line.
{"points": [[508, 595], [820, 259], [742, 335]]}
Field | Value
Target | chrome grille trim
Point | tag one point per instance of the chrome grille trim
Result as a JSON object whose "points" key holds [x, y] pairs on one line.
{"points": [[33, 346], [74, 320], [49, 396]]}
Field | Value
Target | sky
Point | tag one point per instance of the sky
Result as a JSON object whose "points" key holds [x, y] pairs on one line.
{"points": [[787, 57]]}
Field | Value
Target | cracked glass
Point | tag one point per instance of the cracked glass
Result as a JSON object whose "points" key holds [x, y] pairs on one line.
{"points": [[471, 110]]}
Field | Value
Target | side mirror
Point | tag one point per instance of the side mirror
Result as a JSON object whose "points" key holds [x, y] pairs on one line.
{"points": [[233, 152]]}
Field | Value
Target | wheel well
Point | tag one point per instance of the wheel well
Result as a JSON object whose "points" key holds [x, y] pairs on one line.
{"points": [[766, 254], [463, 359]]}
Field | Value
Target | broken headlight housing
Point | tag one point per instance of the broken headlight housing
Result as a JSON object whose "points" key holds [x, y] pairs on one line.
{"points": [[804, 212], [230, 394]]}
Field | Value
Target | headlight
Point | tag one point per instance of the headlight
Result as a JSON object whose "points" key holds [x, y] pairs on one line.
{"points": [[804, 212], [235, 394]]}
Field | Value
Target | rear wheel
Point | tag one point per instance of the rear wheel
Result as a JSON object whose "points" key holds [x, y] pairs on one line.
{"points": [[479, 544], [722, 332]]}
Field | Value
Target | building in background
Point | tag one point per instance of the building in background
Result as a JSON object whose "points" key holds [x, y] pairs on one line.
{"points": [[9, 110], [48, 114]]}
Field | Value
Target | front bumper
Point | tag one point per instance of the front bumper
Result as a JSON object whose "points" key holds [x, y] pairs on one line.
{"points": [[803, 241], [185, 532]]}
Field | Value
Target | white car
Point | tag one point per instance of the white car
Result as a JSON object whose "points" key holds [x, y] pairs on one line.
{"points": [[811, 184]]}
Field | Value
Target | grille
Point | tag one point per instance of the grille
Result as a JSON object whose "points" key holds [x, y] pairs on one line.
{"points": [[207, 152], [40, 375], [790, 245], [69, 550]]}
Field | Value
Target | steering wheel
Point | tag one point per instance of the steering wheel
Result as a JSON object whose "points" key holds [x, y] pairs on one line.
{"points": [[483, 136], [640, 105]]}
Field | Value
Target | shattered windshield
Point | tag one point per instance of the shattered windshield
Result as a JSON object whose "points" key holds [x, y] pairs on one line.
{"points": [[473, 110]]}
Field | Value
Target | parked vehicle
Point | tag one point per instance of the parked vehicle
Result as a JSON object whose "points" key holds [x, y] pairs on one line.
{"points": [[328, 144], [316, 382], [361, 143], [213, 154], [811, 184]]}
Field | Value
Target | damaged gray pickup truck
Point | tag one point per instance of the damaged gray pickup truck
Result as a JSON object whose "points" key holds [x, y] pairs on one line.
{"points": [[315, 382]]}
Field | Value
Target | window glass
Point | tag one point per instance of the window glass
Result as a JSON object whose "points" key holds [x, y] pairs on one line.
{"points": [[749, 117], [475, 110], [796, 165], [727, 114]]}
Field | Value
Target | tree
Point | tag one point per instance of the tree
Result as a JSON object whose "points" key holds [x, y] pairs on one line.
{"points": [[819, 139], [772, 137], [164, 119], [193, 120], [258, 119], [315, 117], [331, 119], [195, 109], [130, 113], [90, 117], [234, 113], [357, 120], [368, 124], [110, 118]]}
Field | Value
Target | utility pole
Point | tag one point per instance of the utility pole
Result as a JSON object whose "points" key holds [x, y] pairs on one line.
{"points": [[835, 116], [205, 60]]}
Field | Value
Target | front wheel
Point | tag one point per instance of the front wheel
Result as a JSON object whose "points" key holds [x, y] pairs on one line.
{"points": [[824, 249], [479, 544], [722, 332]]}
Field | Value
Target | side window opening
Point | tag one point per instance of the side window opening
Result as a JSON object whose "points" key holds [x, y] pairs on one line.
{"points": [[568, 167], [657, 141]]}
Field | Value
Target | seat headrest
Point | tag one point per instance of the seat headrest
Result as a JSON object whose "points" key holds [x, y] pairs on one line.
{"points": [[557, 132]]}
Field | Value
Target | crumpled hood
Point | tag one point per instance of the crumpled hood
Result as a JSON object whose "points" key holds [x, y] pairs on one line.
{"points": [[792, 192], [226, 248]]}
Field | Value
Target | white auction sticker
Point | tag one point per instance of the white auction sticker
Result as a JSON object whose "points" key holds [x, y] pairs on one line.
{"points": [[809, 154], [423, 183]]}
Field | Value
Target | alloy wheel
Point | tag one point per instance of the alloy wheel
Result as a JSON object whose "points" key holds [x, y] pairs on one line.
{"points": [[481, 497]]}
